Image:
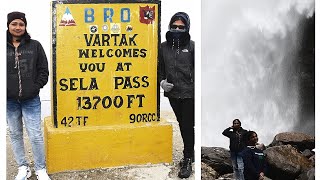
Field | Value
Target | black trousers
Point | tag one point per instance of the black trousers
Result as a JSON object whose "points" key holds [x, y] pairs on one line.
{"points": [[184, 111]]}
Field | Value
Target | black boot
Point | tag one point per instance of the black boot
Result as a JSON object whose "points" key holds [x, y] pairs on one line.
{"points": [[186, 168], [182, 159]]}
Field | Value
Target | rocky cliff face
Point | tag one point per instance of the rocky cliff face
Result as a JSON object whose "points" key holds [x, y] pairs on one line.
{"points": [[290, 156], [306, 75]]}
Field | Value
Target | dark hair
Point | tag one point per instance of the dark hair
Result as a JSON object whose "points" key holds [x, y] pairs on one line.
{"points": [[247, 135], [236, 120]]}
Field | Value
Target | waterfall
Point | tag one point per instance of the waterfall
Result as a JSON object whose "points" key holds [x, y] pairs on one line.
{"points": [[251, 67]]}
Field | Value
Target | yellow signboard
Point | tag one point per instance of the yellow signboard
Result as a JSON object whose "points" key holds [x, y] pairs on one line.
{"points": [[105, 63]]}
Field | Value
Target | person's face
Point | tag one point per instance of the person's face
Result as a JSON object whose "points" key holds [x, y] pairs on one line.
{"points": [[17, 28], [178, 24], [236, 124], [254, 139]]}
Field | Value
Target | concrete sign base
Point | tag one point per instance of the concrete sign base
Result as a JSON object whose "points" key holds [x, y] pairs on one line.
{"points": [[106, 146]]}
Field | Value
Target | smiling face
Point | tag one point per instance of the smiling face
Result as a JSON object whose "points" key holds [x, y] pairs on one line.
{"points": [[236, 124], [17, 28]]}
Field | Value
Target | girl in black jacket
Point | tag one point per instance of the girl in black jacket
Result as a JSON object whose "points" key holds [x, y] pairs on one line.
{"points": [[253, 158], [176, 77], [27, 73], [235, 134]]}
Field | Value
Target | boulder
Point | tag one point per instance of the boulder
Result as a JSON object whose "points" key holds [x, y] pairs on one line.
{"points": [[307, 153], [308, 175], [230, 177], [312, 159], [207, 173], [227, 177], [299, 140], [285, 162], [218, 158]]}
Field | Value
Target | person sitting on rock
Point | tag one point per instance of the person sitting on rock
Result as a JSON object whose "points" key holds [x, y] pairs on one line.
{"points": [[253, 158], [235, 133]]}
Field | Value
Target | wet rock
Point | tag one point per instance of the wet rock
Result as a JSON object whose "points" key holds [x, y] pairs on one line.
{"points": [[299, 140], [207, 173], [285, 162], [227, 177], [308, 175], [230, 177], [218, 158], [312, 159], [307, 153]]}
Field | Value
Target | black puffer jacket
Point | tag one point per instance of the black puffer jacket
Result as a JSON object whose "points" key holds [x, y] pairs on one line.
{"points": [[33, 67], [176, 61], [236, 138]]}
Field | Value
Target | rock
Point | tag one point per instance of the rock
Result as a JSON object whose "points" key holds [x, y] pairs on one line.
{"points": [[285, 162], [218, 158], [307, 153], [207, 173], [312, 159], [227, 177], [299, 140], [308, 175], [230, 177]]}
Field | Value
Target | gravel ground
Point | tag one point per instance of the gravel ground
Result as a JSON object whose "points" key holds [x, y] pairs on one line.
{"points": [[168, 171]]}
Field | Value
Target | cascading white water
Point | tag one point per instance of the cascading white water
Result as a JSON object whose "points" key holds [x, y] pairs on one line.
{"points": [[249, 66]]}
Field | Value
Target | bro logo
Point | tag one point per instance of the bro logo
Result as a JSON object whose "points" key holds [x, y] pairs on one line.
{"points": [[105, 28], [129, 28], [93, 29], [147, 14], [115, 28]]}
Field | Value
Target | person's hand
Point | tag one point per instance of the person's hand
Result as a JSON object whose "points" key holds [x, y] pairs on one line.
{"points": [[166, 86], [260, 146], [261, 177]]}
